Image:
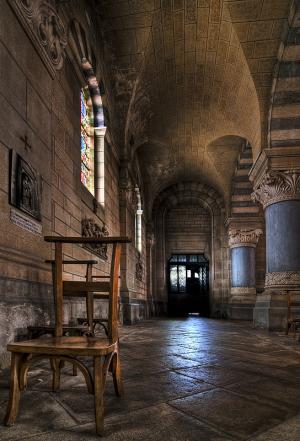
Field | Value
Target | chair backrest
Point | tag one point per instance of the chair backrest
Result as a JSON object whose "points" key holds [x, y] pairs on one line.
{"points": [[112, 286]]}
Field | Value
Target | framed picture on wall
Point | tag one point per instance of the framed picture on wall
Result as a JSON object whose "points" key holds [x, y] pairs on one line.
{"points": [[25, 186]]}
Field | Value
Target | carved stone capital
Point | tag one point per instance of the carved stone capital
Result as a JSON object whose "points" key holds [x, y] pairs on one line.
{"points": [[244, 237], [284, 279], [277, 186], [45, 28]]}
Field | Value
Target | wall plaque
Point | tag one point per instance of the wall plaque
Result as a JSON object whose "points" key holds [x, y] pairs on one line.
{"points": [[25, 222], [25, 186]]}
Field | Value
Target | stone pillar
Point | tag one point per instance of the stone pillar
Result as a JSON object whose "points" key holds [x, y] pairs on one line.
{"points": [[149, 247], [138, 220], [242, 243], [99, 164], [277, 188]]}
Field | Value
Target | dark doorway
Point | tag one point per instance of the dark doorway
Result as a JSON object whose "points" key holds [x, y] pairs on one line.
{"points": [[188, 282]]}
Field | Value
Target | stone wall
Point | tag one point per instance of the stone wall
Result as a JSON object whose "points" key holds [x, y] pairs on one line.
{"points": [[45, 108], [188, 230]]}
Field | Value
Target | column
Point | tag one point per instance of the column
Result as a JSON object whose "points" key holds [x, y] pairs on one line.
{"points": [[150, 241], [99, 164], [138, 220], [242, 243], [278, 190]]}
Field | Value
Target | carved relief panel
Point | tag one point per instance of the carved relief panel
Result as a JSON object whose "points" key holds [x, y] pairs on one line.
{"points": [[25, 186], [91, 229]]}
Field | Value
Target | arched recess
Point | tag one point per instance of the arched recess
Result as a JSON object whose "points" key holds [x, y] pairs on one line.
{"points": [[284, 122], [195, 195], [241, 203]]}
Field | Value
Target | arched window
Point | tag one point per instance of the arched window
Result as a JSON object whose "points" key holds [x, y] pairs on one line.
{"points": [[87, 141]]}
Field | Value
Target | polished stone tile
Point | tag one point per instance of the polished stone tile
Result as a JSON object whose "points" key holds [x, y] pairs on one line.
{"points": [[39, 412], [236, 415], [141, 392], [287, 431], [159, 423], [213, 374], [279, 393], [189, 379]]}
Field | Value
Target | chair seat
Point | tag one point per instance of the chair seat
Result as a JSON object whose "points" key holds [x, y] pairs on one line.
{"points": [[76, 346]]}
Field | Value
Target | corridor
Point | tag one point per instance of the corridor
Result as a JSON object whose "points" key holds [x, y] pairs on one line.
{"points": [[190, 379]]}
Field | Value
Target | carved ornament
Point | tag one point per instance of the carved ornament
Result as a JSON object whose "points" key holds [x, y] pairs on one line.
{"points": [[91, 229], [139, 269], [244, 238], [277, 186], [282, 279], [45, 28]]}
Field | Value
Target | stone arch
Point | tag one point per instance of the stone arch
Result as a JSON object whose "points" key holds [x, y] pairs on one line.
{"points": [[284, 125], [86, 60], [210, 195], [196, 195]]}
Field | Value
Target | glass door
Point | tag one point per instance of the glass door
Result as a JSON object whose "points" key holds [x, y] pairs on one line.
{"points": [[188, 278]]}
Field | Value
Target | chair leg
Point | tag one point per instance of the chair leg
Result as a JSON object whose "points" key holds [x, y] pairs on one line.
{"points": [[99, 383], [55, 365], [287, 328], [75, 370], [117, 376], [14, 394]]}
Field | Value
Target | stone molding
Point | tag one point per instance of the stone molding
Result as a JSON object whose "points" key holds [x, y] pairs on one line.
{"points": [[283, 279], [243, 237], [242, 290], [45, 28], [277, 186]]}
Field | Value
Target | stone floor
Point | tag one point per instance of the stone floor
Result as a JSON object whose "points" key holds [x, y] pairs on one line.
{"points": [[191, 379]]}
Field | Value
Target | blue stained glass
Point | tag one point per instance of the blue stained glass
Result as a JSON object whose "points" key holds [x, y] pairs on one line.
{"points": [[87, 140]]}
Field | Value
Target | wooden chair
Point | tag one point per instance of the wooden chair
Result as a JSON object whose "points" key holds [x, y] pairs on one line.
{"points": [[104, 351], [88, 324], [293, 321]]}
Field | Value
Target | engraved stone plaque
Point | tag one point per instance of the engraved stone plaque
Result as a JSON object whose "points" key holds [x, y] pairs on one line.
{"points": [[25, 222]]}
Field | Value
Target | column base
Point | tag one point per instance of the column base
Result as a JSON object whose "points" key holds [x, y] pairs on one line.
{"points": [[270, 311], [241, 303], [134, 311]]}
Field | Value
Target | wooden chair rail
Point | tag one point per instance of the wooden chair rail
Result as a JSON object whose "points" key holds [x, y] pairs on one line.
{"points": [[83, 240], [83, 287], [75, 262]]}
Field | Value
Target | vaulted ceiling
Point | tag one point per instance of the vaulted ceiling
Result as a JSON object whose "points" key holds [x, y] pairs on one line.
{"points": [[198, 71]]}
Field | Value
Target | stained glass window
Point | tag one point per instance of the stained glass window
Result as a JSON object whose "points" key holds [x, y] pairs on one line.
{"points": [[87, 140]]}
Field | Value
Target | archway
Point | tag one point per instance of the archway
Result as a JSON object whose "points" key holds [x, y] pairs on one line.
{"points": [[193, 203]]}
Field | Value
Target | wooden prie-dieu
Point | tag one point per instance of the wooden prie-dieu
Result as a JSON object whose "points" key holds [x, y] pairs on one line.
{"points": [[61, 348]]}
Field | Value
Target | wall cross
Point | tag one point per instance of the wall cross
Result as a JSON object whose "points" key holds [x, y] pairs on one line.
{"points": [[27, 145]]}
